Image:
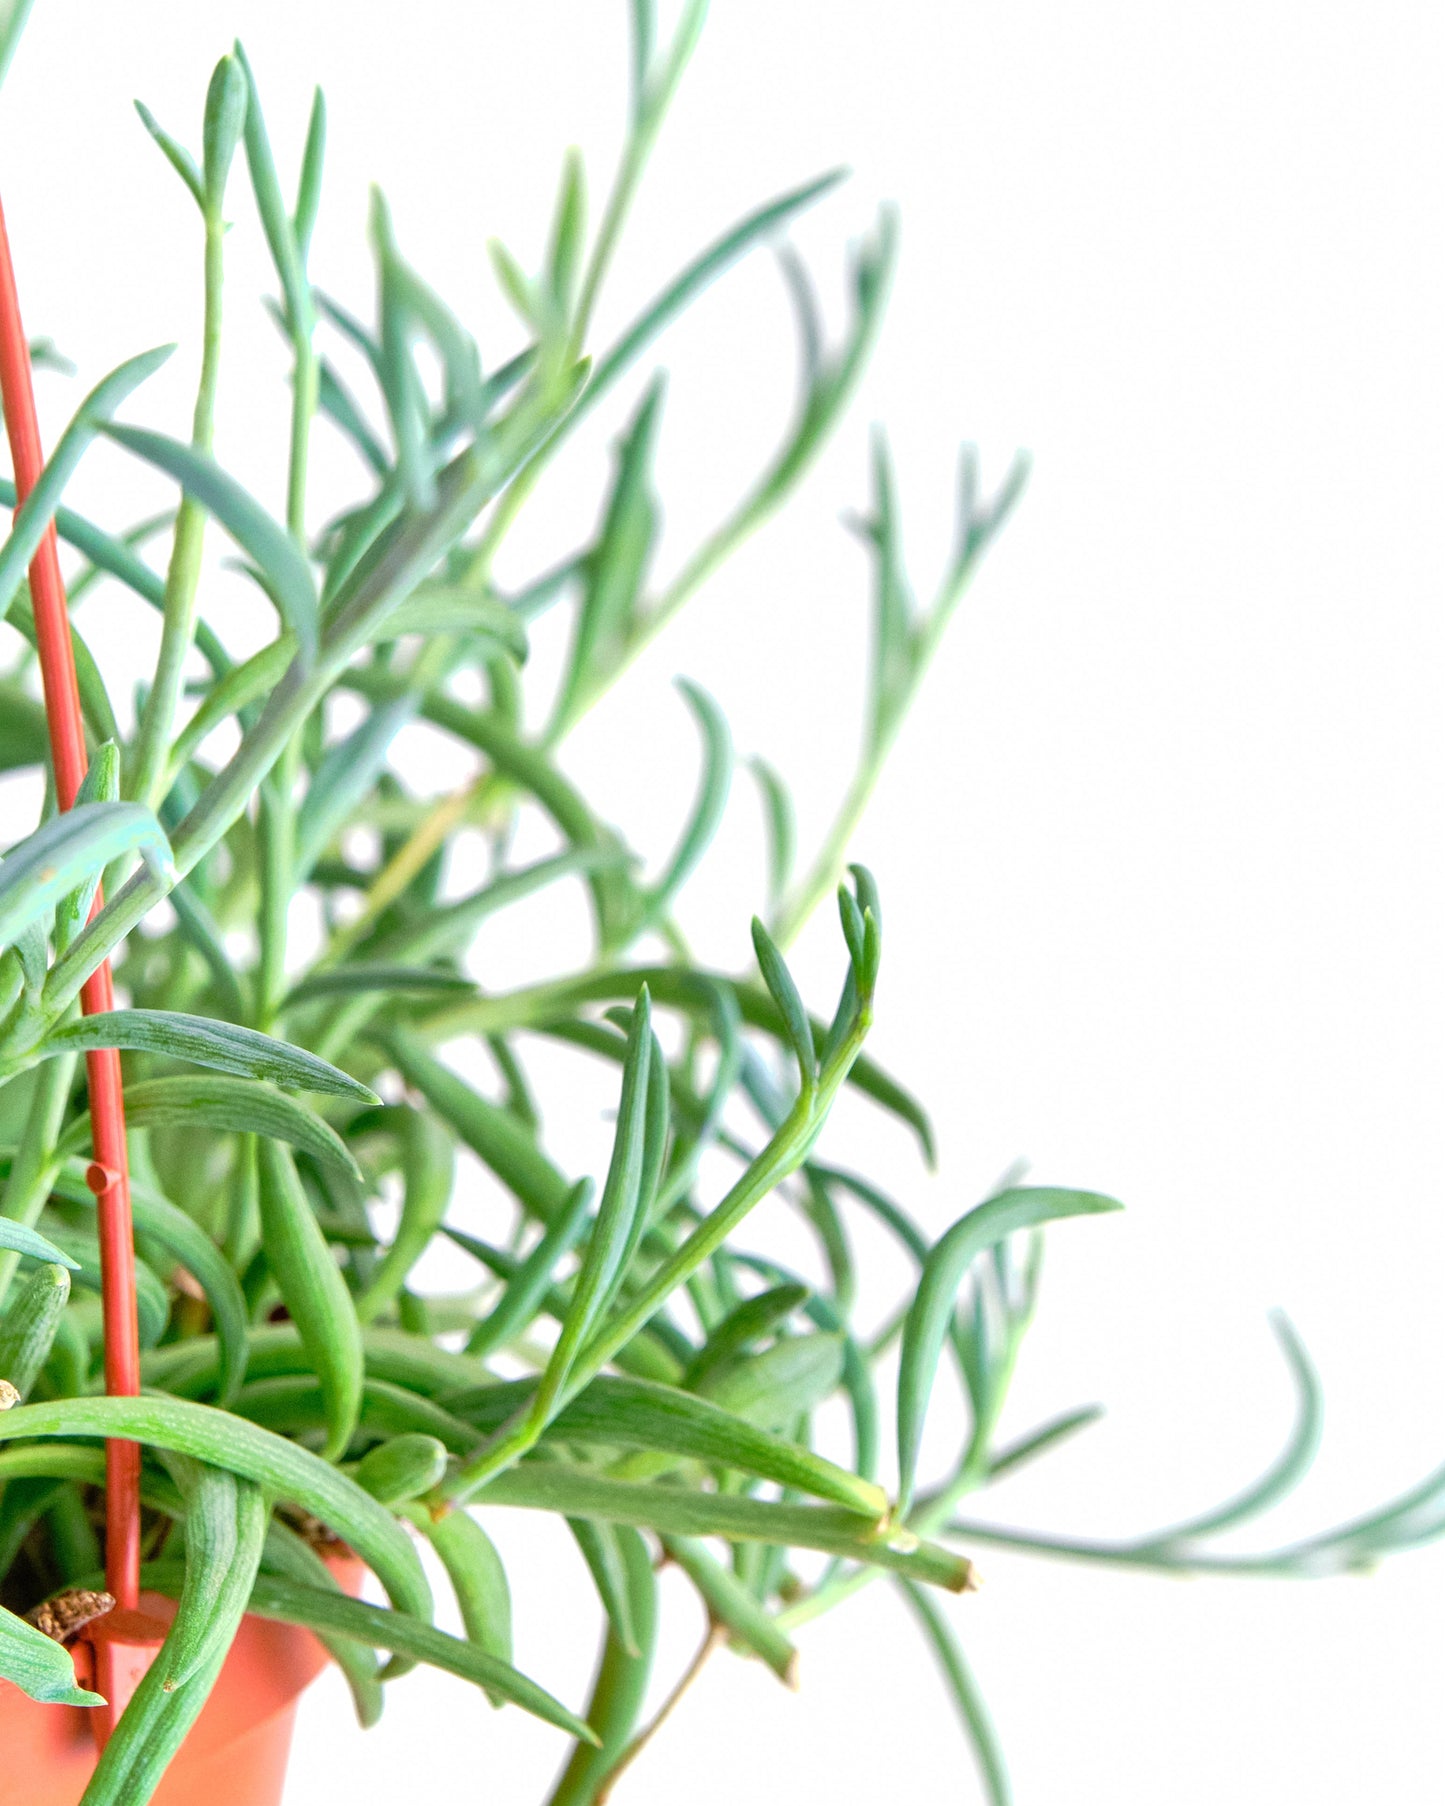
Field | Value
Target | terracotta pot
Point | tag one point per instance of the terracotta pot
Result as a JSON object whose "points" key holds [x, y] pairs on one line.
{"points": [[236, 1752]]}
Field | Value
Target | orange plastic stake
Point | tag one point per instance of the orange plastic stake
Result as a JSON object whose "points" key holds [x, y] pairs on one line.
{"points": [[108, 1174]]}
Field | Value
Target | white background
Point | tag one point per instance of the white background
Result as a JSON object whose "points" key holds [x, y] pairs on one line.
{"points": [[1160, 850]]}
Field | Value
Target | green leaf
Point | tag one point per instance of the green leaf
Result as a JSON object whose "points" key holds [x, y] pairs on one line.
{"points": [[1288, 1468], [80, 1248], [1021, 1207], [603, 1264], [601, 1548], [179, 158], [293, 1403], [620, 1686], [782, 828], [101, 784], [336, 401], [784, 993], [242, 1106], [513, 282], [522, 1296], [564, 254], [225, 120], [358, 979], [477, 1576], [23, 738], [614, 568], [314, 1292], [225, 1531], [752, 1321], [223, 1440], [401, 383], [1045, 1437], [344, 778], [972, 1711], [13, 14], [674, 1510], [436, 608], [25, 1240], [184, 1239], [206, 1041], [39, 1666], [402, 1468], [492, 1133], [288, 1602], [95, 706], [40, 505], [730, 1604], [429, 1166], [293, 1558], [615, 1411], [712, 796], [416, 307], [775, 1387], [281, 237], [244, 684], [308, 189], [115, 557], [263, 539], [29, 1325], [703, 270], [225, 1527]]}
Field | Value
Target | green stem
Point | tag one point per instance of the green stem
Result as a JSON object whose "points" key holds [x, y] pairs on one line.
{"points": [[783, 1155], [827, 868], [406, 553], [306, 384], [277, 867], [33, 1171], [178, 628]]}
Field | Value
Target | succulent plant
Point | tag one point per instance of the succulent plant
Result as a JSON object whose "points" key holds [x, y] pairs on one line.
{"points": [[631, 1351]]}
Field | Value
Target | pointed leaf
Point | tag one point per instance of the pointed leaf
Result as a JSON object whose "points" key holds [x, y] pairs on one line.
{"points": [[242, 1106], [39, 1666], [206, 1041], [263, 539], [179, 158], [1022, 1207], [314, 1292], [40, 505], [225, 120], [784, 993], [223, 1440]]}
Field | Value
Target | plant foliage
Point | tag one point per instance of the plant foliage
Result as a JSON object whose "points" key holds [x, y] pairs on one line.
{"points": [[629, 1355]]}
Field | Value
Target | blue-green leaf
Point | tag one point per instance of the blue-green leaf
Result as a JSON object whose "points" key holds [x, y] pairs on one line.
{"points": [[1021, 1207], [40, 505], [39, 1666], [263, 539], [205, 1041], [38, 873]]}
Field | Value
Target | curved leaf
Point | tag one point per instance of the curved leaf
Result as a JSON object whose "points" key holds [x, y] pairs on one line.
{"points": [[37, 873], [205, 1041], [263, 539], [225, 1441], [1021, 1207], [243, 1106], [39, 1666]]}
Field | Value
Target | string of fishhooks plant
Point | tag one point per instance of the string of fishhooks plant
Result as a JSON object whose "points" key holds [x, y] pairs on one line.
{"points": [[632, 1356]]}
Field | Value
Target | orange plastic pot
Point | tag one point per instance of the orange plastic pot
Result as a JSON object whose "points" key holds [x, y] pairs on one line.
{"points": [[236, 1752]]}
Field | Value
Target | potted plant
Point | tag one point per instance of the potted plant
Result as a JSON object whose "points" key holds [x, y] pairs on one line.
{"points": [[229, 1391]]}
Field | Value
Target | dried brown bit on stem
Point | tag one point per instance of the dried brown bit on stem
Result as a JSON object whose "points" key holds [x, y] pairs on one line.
{"points": [[64, 1616], [320, 1536]]}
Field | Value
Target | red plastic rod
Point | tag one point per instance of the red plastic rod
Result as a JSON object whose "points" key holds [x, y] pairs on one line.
{"points": [[109, 1175]]}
